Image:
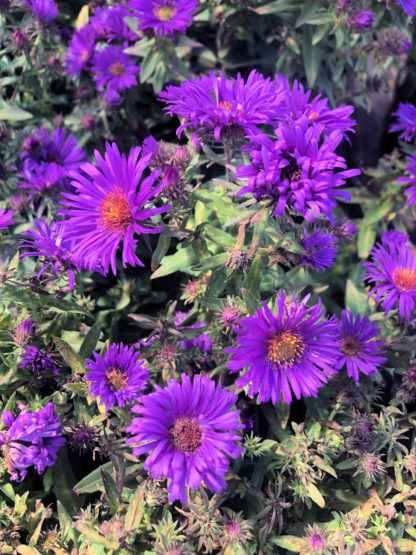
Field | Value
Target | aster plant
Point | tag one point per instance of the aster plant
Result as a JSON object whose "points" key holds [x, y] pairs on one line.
{"points": [[190, 428], [164, 16]]}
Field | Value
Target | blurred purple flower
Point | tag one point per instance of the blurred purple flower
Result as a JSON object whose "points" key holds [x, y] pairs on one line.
{"points": [[291, 349], [38, 362], [393, 271], [108, 207], [358, 350], [118, 377], [411, 168], [297, 170], [46, 180], [109, 23], [32, 439], [320, 250], [220, 106], [406, 121], [189, 429], [409, 6], [393, 237], [393, 42], [24, 332], [361, 20], [164, 16], [113, 70], [6, 218], [80, 51], [44, 10]]}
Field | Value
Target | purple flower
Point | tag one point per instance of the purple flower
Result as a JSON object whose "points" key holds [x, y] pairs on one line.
{"points": [[291, 349], [32, 439], [80, 50], [409, 6], [320, 250], [6, 218], [44, 10], [189, 429], [113, 70], [48, 179], [393, 271], [411, 168], [406, 121], [361, 20], [344, 230], [24, 331], [164, 16], [298, 170], [393, 42], [118, 377], [203, 343], [393, 237], [43, 148], [358, 350], [108, 207], [38, 362], [219, 106], [109, 23], [52, 243], [298, 103]]}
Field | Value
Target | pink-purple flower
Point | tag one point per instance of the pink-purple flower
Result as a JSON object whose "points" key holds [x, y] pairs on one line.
{"points": [[409, 6], [37, 361], [410, 191], [109, 206], [406, 121], [320, 250], [6, 218], [81, 50], [164, 16], [45, 11], [189, 429], [291, 349]]}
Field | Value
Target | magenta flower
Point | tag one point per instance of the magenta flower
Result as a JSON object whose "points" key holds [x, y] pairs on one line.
{"points": [[38, 362], [411, 168], [359, 352], [44, 10], [406, 121], [118, 377], [109, 23], [164, 16], [361, 20], [113, 70], [219, 106], [6, 218], [320, 250], [298, 170], [393, 273], [80, 51], [109, 207], [32, 439], [291, 349], [190, 428], [409, 6], [47, 180]]}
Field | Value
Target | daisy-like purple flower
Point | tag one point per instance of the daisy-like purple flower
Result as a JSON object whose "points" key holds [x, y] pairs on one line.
{"points": [[189, 429], [359, 352], [109, 23], [80, 51], [6, 218], [320, 250], [393, 273], [411, 168], [164, 16], [108, 207], [45, 11], [291, 349], [298, 171], [113, 70], [406, 121], [47, 180], [393, 237], [53, 244], [361, 20], [409, 6], [32, 439], [298, 103], [118, 377], [38, 362], [219, 106]]}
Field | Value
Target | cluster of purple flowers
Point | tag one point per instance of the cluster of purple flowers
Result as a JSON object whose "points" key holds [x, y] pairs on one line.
{"points": [[99, 47], [32, 439], [48, 157], [45, 11]]}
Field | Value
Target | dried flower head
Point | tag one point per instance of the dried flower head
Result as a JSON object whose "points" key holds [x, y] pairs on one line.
{"points": [[372, 466], [23, 332]]}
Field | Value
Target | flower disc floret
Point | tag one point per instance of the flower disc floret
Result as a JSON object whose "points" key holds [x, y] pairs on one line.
{"points": [[293, 348], [108, 207], [164, 16], [358, 349], [118, 377], [190, 428], [393, 273], [32, 439]]}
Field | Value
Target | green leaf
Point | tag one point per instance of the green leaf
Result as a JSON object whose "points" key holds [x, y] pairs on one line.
{"points": [[366, 238], [315, 494], [253, 278], [135, 512], [161, 249], [312, 56], [95, 537], [182, 260], [10, 112], [212, 262], [278, 6], [292, 543], [74, 361], [64, 480], [148, 65], [356, 299], [90, 340], [110, 490]]}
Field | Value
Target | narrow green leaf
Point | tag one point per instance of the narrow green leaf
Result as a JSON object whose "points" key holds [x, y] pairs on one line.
{"points": [[182, 260], [90, 340], [10, 112]]}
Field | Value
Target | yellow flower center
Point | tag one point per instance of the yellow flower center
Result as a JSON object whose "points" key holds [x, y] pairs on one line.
{"points": [[165, 13], [285, 347], [404, 279], [225, 104], [117, 69], [115, 211], [116, 379]]}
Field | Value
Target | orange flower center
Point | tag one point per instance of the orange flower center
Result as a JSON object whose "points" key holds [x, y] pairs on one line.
{"points": [[117, 68], [165, 13], [115, 211], [285, 348], [116, 379], [350, 347], [186, 434], [85, 55], [313, 115], [404, 279], [225, 104]]}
